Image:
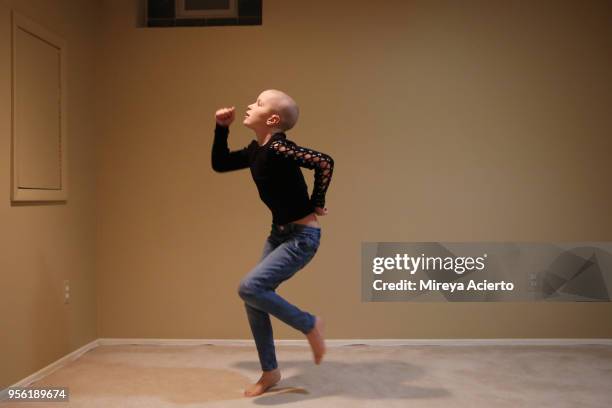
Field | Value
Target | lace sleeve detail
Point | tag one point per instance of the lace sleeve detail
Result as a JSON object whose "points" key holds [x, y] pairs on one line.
{"points": [[322, 164]]}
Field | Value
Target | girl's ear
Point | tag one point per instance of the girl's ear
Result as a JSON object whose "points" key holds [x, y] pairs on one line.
{"points": [[273, 120]]}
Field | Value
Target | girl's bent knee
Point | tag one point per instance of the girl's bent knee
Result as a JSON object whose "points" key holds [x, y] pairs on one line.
{"points": [[246, 290]]}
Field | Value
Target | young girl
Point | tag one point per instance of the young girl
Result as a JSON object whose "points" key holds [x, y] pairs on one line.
{"points": [[295, 234]]}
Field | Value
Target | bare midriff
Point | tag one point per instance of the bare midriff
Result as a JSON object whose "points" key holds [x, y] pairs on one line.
{"points": [[310, 220]]}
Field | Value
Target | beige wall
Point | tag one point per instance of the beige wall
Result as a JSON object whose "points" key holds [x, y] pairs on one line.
{"points": [[44, 244], [448, 121]]}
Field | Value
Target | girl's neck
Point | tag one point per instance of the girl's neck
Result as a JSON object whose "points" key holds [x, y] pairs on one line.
{"points": [[264, 136]]}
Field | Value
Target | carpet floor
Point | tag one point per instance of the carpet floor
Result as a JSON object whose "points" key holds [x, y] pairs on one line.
{"points": [[350, 376]]}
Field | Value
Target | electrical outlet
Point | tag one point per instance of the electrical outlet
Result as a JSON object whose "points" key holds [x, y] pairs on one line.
{"points": [[66, 291]]}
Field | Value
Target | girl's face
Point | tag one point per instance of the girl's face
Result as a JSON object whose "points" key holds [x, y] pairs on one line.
{"points": [[260, 114]]}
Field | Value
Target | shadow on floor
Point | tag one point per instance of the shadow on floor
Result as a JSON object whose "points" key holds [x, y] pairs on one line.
{"points": [[376, 380]]}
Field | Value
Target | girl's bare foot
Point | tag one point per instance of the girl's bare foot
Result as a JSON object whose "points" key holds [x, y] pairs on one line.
{"points": [[267, 380], [316, 340]]}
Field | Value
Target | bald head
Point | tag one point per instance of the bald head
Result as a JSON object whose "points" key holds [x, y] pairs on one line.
{"points": [[284, 106]]}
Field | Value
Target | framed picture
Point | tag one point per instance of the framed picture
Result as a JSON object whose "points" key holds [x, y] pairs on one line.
{"points": [[206, 8]]}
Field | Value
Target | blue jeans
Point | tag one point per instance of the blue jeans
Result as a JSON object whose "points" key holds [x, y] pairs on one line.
{"points": [[288, 249]]}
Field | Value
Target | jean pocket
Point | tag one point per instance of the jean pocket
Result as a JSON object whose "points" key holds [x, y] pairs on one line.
{"points": [[307, 242]]}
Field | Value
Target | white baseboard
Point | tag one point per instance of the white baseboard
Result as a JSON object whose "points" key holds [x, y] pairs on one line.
{"points": [[365, 342], [330, 343]]}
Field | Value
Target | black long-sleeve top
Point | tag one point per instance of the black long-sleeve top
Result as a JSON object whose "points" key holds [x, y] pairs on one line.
{"points": [[275, 167]]}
